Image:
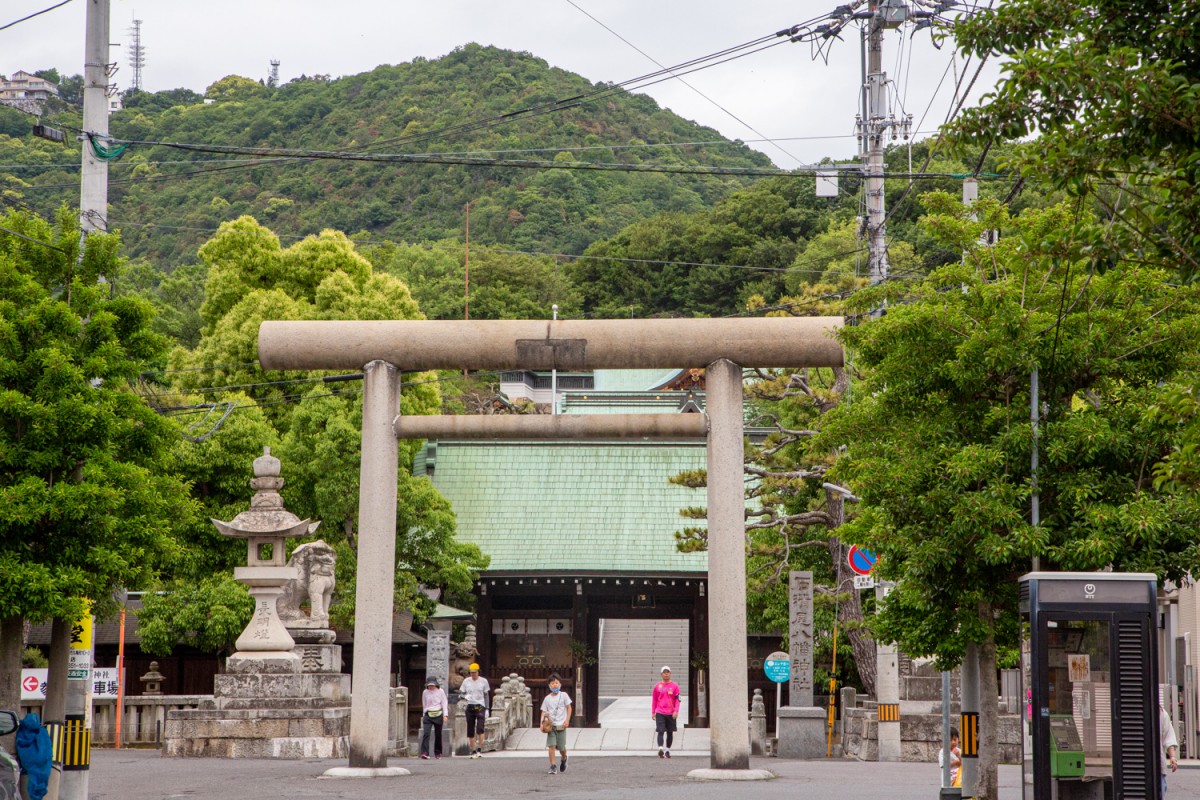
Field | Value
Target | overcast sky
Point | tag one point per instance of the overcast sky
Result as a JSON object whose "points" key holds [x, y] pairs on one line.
{"points": [[806, 105]]}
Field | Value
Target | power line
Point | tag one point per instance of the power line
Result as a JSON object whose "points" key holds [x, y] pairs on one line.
{"points": [[34, 14], [31, 239], [685, 83], [702, 62]]}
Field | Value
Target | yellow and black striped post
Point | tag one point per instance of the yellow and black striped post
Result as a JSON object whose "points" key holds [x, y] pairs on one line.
{"points": [[73, 743], [889, 712], [969, 735]]}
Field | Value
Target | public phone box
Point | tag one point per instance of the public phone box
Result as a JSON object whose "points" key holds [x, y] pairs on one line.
{"points": [[1066, 748]]}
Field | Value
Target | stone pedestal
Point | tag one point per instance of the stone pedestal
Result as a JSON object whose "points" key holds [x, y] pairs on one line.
{"points": [[801, 732], [267, 715], [316, 650]]}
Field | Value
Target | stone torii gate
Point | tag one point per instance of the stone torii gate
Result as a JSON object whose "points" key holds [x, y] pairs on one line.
{"points": [[382, 348]]}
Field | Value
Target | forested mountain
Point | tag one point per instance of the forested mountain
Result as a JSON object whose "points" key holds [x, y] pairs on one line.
{"points": [[633, 243], [448, 105]]}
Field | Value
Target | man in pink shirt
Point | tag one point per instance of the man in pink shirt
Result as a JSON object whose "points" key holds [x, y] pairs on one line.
{"points": [[664, 708]]}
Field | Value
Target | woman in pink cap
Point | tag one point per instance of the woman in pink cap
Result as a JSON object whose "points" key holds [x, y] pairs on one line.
{"points": [[664, 709]]}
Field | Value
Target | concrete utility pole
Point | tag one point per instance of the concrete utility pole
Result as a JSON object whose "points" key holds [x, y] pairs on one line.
{"points": [[887, 690], [872, 138], [93, 195], [73, 727], [969, 723], [874, 123]]}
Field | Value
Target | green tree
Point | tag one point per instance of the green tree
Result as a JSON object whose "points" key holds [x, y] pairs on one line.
{"points": [[235, 87], [315, 425], [85, 504], [938, 441], [1112, 94], [208, 614], [503, 285]]}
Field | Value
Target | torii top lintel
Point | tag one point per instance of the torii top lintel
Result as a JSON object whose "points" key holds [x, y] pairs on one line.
{"points": [[569, 345]]}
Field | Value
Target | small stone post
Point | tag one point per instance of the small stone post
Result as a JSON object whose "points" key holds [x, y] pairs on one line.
{"points": [[758, 724]]}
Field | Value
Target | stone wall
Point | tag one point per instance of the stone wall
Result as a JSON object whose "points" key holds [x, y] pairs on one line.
{"points": [[920, 735]]}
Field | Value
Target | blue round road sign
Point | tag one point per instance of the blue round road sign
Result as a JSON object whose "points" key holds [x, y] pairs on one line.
{"points": [[861, 560]]}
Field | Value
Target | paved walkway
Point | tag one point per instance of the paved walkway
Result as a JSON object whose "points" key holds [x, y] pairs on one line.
{"points": [[625, 728], [143, 775]]}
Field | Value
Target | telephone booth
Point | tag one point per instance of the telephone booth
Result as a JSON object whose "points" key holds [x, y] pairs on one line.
{"points": [[1089, 678]]}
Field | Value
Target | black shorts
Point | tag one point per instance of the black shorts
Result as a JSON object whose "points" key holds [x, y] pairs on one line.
{"points": [[664, 723], [476, 719]]}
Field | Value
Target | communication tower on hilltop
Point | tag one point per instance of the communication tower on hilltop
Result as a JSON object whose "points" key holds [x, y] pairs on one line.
{"points": [[273, 78], [137, 54]]}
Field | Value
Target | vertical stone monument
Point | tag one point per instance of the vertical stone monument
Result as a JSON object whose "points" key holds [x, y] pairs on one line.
{"points": [[801, 725], [278, 698]]}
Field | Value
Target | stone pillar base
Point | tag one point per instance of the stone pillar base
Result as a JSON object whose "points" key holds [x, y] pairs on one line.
{"points": [[801, 732], [319, 657], [263, 661], [710, 774]]}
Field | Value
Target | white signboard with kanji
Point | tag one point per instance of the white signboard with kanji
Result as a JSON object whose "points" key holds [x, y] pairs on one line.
{"points": [[104, 683]]}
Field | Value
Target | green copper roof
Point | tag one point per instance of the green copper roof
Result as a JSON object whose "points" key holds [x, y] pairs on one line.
{"points": [[631, 380], [562, 507]]}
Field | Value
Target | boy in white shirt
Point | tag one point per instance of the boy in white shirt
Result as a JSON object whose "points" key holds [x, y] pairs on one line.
{"points": [[557, 708]]}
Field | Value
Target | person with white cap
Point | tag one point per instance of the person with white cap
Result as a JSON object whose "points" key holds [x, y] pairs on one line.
{"points": [[664, 710], [476, 691], [434, 709]]}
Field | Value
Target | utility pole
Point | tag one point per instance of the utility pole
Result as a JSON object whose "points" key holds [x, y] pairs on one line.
{"points": [[71, 658], [467, 265], [874, 123], [93, 195], [872, 138]]}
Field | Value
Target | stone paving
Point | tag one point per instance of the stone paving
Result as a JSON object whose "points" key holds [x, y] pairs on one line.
{"points": [[626, 727], [143, 775]]}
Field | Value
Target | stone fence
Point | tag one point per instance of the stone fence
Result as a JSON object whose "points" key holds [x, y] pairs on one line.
{"points": [[920, 734], [512, 708], [141, 724], [145, 717]]}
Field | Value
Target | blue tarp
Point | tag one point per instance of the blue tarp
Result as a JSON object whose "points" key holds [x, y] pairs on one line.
{"points": [[34, 754]]}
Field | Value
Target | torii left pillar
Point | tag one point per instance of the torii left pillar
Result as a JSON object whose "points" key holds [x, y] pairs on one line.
{"points": [[376, 575]]}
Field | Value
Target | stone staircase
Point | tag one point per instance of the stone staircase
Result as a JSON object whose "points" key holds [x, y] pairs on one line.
{"points": [[632, 651]]}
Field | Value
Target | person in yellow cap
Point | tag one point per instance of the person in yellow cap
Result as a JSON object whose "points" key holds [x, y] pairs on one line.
{"points": [[477, 694]]}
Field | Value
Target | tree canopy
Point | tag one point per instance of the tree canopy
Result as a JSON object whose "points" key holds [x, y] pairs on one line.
{"points": [[476, 100], [86, 503], [938, 441], [1111, 94], [313, 426]]}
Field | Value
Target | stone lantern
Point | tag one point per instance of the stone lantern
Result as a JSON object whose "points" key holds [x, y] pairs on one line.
{"points": [[153, 680], [272, 701], [265, 645]]}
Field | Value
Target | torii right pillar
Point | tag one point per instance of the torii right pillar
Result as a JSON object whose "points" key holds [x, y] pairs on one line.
{"points": [[727, 566]]}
